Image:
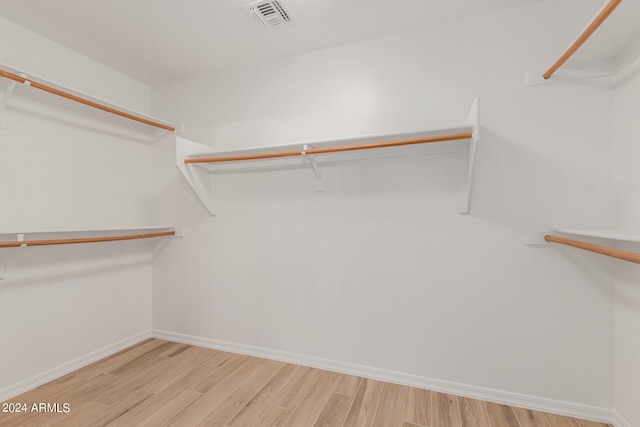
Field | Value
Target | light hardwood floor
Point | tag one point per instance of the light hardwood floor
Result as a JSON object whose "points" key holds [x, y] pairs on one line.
{"points": [[161, 383]]}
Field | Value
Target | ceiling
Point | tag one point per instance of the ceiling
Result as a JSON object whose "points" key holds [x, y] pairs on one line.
{"points": [[162, 40], [155, 41]]}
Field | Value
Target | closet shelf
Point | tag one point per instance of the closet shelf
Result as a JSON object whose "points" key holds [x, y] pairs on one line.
{"points": [[16, 84], [42, 237], [322, 147], [604, 233], [199, 163], [601, 16], [599, 249], [612, 234]]}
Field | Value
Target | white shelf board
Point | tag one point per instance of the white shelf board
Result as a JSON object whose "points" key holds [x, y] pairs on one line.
{"points": [[604, 233], [200, 176], [40, 97], [93, 231], [244, 165]]}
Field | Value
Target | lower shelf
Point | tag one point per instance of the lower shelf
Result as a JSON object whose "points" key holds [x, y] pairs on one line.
{"points": [[16, 239]]}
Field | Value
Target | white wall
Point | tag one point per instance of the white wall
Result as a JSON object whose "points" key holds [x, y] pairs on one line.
{"points": [[58, 170], [627, 302], [380, 270]]}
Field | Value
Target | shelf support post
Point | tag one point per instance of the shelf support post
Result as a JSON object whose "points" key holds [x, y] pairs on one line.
{"points": [[473, 120], [318, 186], [4, 98]]}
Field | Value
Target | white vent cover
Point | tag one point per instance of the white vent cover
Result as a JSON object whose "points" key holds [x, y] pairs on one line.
{"points": [[270, 13]]}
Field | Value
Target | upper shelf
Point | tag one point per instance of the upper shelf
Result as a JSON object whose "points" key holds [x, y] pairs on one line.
{"points": [[15, 83], [327, 151], [615, 43], [606, 10], [603, 54], [193, 158]]}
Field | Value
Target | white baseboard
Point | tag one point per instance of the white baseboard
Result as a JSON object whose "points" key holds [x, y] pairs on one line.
{"points": [[619, 421], [51, 374], [499, 396]]}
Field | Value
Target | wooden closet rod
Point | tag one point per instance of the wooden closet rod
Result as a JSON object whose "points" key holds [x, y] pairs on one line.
{"points": [[603, 250], [84, 240], [593, 26], [451, 137], [84, 101]]}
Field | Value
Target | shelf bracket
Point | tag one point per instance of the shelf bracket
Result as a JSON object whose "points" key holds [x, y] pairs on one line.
{"points": [[4, 98], [318, 185], [203, 163], [473, 120], [535, 79], [535, 237], [202, 183]]}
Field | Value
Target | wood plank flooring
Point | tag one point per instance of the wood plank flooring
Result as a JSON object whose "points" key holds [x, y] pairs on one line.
{"points": [[161, 383]]}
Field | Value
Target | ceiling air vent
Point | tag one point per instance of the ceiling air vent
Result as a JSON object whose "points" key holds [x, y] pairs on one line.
{"points": [[269, 13]]}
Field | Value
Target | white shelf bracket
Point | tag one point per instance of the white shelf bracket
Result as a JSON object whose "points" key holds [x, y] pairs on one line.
{"points": [[202, 183], [318, 185], [473, 120], [535, 237], [20, 238], [180, 231], [535, 79], [4, 98]]}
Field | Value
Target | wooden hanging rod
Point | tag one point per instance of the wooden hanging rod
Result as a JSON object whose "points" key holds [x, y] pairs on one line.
{"points": [[84, 240], [310, 151], [84, 101], [603, 250], [593, 26]]}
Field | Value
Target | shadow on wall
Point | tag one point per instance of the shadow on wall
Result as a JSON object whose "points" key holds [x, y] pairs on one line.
{"points": [[54, 264], [516, 186], [628, 74], [628, 281], [91, 121]]}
